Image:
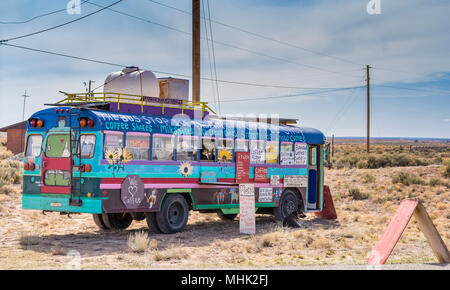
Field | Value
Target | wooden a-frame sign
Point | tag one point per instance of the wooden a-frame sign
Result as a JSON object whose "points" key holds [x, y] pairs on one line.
{"points": [[380, 253]]}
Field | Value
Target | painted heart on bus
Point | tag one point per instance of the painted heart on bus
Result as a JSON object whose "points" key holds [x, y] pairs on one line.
{"points": [[132, 190]]}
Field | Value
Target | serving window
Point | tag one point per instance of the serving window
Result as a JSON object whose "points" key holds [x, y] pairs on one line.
{"points": [[163, 147]]}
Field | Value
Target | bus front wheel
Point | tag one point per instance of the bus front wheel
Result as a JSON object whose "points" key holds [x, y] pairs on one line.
{"points": [[174, 214], [288, 205]]}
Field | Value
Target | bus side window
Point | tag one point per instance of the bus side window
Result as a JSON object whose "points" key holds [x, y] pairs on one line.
{"points": [[187, 149], [257, 152], [313, 155], [163, 147], [241, 145], [287, 153], [138, 145], [87, 142], [208, 152], [34, 146], [272, 152], [112, 144]]}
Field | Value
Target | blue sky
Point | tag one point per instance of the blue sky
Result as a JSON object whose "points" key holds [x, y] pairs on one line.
{"points": [[408, 45]]}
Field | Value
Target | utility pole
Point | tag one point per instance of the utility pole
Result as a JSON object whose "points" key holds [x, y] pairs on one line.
{"points": [[368, 108], [25, 96], [196, 50]]}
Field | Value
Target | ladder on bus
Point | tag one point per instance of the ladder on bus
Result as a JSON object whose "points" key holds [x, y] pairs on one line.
{"points": [[75, 134]]}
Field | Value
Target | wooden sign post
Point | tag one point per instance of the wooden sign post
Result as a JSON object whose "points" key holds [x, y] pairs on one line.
{"points": [[382, 250], [247, 209]]}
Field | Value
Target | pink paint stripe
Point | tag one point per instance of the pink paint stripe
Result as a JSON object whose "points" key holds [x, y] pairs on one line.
{"points": [[185, 185], [138, 134], [114, 132]]}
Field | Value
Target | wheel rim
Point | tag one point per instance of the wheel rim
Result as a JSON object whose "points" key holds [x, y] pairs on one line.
{"points": [[288, 205], [175, 214]]}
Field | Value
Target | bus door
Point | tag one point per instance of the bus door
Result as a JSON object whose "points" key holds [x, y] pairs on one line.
{"points": [[56, 164], [314, 175]]}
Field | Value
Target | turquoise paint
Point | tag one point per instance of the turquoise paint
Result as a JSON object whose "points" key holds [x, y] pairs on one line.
{"points": [[39, 202]]}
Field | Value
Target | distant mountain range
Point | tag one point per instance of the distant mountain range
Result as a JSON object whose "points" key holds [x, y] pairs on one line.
{"points": [[392, 138]]}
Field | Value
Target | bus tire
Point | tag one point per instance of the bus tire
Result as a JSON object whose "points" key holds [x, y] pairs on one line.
{"points": [[288, 205], [226, 217], [174, 214], [117, 221], [98, 220], [150, 217]]}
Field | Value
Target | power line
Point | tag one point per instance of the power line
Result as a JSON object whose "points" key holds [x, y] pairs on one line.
{"points": [[210, 61], [261, 36], [273, 86], [214, 55], [292, 95], [38, 16], [60, 25], [227, 44]]}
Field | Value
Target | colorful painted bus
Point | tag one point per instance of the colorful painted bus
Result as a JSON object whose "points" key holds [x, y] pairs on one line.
{"points": [[123, 161]]}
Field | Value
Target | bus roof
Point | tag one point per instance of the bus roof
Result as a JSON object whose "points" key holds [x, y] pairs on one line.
{"points": [[184, 125]]}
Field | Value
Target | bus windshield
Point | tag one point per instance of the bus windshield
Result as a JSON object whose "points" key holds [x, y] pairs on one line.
{"points": [[58, 146]]}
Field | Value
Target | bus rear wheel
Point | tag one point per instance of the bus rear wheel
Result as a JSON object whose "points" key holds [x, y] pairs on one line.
{"points": [[98, 220], [117, 221], [174, 214], [288, 205], [152, 224], [226, 217]]}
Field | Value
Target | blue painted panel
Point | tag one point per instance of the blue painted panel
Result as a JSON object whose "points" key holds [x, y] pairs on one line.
{"points": [[312, 186], [39, 202]]}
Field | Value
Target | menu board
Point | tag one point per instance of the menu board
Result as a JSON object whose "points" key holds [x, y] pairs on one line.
{"points": [[242, 167], [287, 158], [247, 209], [301, 154], [261, 174]]}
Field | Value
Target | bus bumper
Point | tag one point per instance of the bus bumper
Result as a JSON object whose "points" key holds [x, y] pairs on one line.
{"points": [[61, 204]]}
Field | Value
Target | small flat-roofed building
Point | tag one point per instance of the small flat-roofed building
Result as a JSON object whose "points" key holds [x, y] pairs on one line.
{"points": [[15, 137]]}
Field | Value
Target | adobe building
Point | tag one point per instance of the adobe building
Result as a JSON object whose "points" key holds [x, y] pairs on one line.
{"points": [[15, 137]]}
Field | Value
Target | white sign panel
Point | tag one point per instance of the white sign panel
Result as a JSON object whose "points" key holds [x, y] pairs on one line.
{"points": [[295, 181], [265, 194], [300, 154], [247, 209], [287, 158]]}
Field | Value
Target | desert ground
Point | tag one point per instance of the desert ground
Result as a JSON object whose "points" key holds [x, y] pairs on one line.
{"points": [[366, 189]]}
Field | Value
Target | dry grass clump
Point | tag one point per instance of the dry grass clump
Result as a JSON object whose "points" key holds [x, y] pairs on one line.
{"points": [[7, 189], [270, 239], [171, 254], [10, 172], [5, 154], [356, 194], [407, 179], [447, 171], [138, 242]]}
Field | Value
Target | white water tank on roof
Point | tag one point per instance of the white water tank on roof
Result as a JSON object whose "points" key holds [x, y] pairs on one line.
{"points": [[132, 81]]}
